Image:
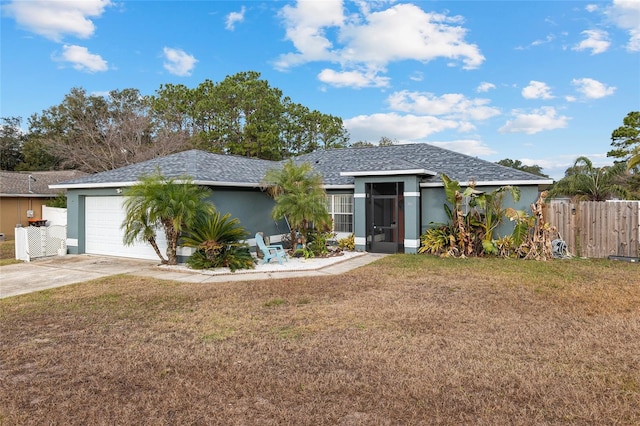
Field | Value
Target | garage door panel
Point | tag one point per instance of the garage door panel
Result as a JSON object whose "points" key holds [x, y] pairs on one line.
{"points": [[103, 218]]}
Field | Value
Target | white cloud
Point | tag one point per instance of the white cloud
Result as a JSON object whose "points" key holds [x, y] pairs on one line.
{"points": [[537, 90], [449, 105], [178, 62], [485, 87], [233, 18], [355, 79], [371, 40], [81, 59], [466, 146], [55, 19], [626, 15], [596, 40], [591, 7], [592, 89], [417, 76], [305, 27], [405, 128], [545, 118]]}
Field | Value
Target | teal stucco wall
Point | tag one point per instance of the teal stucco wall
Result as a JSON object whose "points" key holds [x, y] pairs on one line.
{"points": [[251, 206], [433, 200]]}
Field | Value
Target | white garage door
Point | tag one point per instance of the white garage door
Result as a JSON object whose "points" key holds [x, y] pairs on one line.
{"points": [[103, 218]]}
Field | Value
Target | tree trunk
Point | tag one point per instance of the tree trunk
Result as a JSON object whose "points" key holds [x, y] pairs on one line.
{"points": [[154, 244], [172, 242]]}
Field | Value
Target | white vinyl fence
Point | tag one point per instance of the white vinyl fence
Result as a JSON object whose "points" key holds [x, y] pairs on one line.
{"points": [[32, 242]]}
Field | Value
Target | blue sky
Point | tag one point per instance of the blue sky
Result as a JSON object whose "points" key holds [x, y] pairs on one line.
{"points": [[538, 81]]}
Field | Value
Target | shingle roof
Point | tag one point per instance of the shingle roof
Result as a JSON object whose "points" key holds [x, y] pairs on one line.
{"points": [[205, 167], [202, 166], [19, 184], [460, 167]]}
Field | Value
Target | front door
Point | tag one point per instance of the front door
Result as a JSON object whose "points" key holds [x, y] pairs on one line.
{"points": [[385, 217]]}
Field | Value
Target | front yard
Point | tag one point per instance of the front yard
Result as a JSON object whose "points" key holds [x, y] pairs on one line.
{"points": [[406, 340]]}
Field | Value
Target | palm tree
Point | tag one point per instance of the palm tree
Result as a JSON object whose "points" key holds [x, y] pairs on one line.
{"points": [[299, 197], [585, 182], [170, 203]]}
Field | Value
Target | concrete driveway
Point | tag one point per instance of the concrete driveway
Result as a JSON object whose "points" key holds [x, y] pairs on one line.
{"points": [[53, 272]]}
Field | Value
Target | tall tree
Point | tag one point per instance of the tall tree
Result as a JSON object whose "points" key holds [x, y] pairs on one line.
{"points": [[95, 133], [517, 164], [168, 203], [245, 115], [37, 156], [11, 139], [386, 141], [299, 197], [583, 181], [625, 140], [240, 115]]}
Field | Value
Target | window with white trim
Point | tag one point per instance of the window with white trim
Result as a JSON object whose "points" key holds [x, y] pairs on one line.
{"points": [[340, 207]]}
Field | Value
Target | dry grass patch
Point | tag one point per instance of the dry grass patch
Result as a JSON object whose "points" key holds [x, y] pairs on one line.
{"points": [[8, 253], [406, 340]]}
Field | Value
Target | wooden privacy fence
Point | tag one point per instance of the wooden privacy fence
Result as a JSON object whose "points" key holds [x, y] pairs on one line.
{"points": [[597, 229]]}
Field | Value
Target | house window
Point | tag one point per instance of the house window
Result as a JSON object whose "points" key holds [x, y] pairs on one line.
{"points": [[340, 207]]}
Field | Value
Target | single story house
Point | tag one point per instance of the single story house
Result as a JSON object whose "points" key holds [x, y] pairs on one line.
{"points": [[386, 196], [22, 195]]}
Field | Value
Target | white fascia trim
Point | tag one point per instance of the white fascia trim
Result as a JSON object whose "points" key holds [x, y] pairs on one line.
{"points": [[412, 243], [390, 172], [92, 185], [411, 194], [491, 183], [345, 186]]}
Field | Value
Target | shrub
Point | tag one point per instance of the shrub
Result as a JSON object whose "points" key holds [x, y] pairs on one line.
{"points": [[347, 243], [439, 241], [59, 202], [317, 242], [214, 255], [217, 242]]}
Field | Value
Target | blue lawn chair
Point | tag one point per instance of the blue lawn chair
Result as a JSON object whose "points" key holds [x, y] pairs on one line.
{"points": [[270, 251]]}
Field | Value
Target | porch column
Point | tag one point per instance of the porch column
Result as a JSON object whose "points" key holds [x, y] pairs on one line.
{"points": [[411, 221], [359, 217], [412, 214]]}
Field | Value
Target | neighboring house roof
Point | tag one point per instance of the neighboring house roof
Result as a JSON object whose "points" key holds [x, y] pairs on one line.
{"points": [[337, 167], [34, 184]]}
